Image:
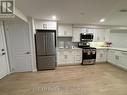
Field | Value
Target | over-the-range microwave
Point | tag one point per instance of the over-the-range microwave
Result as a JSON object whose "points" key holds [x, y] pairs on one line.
{"points": [[86, 37]]}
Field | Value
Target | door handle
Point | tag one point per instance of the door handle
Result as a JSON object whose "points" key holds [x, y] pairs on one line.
{"points": [[3, 53], [27, 53], [2, 50]]}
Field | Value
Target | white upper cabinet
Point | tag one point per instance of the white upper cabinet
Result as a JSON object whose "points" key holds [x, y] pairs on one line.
{"points": [[64, 30], [99, 35], [107, 35], [93, 32], [76, 34], [46, 25]]}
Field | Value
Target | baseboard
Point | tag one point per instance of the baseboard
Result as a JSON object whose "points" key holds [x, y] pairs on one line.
{"points": [[122, 68], [62, 65]]}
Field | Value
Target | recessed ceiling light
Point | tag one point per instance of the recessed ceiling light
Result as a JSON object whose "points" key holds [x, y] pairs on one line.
{"points": [[102, 20], [54, 17]]}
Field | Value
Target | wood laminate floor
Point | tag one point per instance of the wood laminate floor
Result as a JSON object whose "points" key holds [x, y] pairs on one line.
{"points": [[98, 79]]}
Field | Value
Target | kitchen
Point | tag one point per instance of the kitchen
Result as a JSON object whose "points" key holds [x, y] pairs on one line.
{"points": [[66, 51]]}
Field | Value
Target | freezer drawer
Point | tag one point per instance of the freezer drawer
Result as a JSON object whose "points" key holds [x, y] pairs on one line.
{"points": [[46, 62]]}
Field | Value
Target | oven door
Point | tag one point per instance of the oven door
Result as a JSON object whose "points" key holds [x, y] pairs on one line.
{"points": [[89, 56]]}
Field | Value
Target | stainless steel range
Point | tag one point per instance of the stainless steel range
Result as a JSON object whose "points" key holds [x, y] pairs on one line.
{"points": [[88, 53]]}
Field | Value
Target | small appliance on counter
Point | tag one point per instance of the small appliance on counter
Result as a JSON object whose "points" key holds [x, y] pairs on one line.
{"points": [[88, 53]]}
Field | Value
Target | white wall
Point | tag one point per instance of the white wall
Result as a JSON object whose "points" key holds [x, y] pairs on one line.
{"points": [[119, 38]]}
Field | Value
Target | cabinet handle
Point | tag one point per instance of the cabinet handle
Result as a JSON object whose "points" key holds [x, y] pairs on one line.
{"points": [[65, 56], [117, 57], [3, 53], [124, 53], [45, 26], [101, 55], [2, 50]]}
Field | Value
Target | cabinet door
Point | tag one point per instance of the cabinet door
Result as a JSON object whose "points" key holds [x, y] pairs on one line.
{"points": [[101, 55], [123, 59], [78, 56], [107, 35], [60, 57], [38, 25], [65, 30], [60, 30], [76, 34], [69, 57], [111, 56], [52, 25], [100, 35], [93, 32]]}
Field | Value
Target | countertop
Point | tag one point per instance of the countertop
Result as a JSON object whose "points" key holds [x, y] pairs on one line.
{"points": [[113, 48], [69, 48]]}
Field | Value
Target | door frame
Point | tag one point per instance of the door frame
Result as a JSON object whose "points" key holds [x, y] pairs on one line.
{"points": [[32, 33]]}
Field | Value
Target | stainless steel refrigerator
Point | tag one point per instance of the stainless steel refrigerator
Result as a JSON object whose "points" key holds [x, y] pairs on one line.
{"points": [[45, 49]]}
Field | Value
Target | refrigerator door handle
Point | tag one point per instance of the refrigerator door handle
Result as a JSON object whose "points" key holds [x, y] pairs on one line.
{"points": [[27, 53]]}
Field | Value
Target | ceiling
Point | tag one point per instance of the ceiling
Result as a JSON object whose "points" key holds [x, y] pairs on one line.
{"points": [[76, 11]]}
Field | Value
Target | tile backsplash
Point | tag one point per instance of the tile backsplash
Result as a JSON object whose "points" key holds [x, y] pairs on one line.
{"points": [[66, 43]]}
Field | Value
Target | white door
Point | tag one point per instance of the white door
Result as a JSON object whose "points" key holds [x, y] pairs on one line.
{"points": [[4, 66], [18, 42]]}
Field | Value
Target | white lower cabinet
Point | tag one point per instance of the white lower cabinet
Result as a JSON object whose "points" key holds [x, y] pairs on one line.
{"points": [[60, 56], [122, 59], [101, 55], [69, 56], [78, 56], [118, 58], [111, 56]]}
